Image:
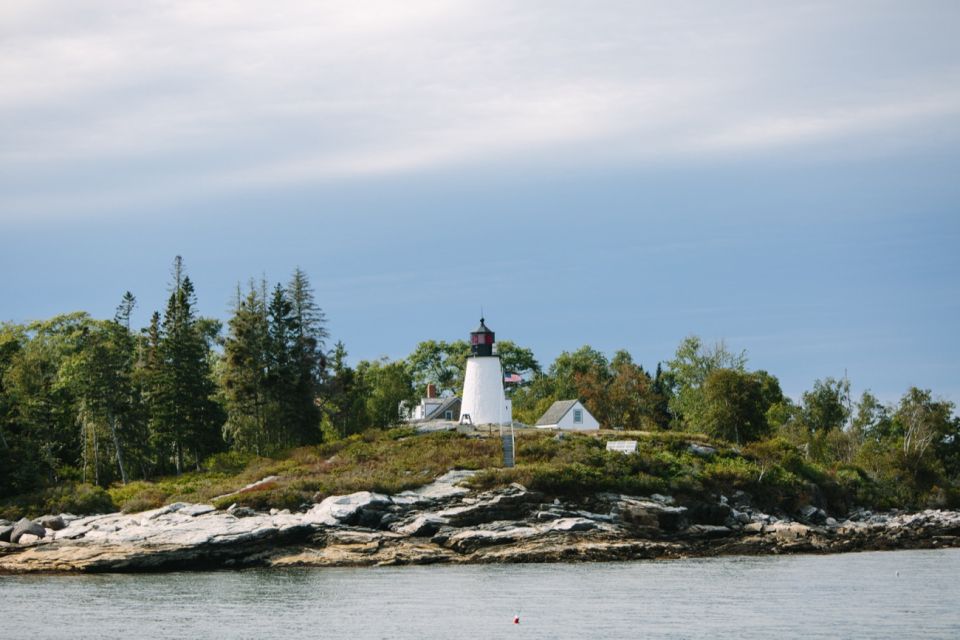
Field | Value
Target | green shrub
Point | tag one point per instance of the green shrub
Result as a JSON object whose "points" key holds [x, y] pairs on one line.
{"points": [[308, 485], [228, 462], [270, 497], [641, 484], [572, 479], [398, 433], [144, 501], [730, 473], [494, 478], [361, 452], [688, 484], [79, 499], [537, 449]]}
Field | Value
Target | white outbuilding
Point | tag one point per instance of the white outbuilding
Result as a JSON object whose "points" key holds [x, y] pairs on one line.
{"points": [[568, 415]]}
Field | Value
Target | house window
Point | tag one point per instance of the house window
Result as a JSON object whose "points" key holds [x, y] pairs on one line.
{"points": [[577, 416], [448, 415]]}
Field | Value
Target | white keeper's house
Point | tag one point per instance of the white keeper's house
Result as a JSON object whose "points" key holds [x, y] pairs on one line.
{"points": [[568, 415]]}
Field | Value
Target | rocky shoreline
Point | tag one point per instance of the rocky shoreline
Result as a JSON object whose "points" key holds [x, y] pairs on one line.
{"points": [[444, 522]]}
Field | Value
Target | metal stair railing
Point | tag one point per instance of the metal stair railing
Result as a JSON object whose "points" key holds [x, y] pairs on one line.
{"points": [[509, 444]]}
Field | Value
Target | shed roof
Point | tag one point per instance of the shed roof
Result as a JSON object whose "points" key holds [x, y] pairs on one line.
{"points": [[448, 404], [555, 413]]}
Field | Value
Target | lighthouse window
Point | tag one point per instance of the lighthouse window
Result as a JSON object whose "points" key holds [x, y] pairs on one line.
{"points": [[577, 416]]}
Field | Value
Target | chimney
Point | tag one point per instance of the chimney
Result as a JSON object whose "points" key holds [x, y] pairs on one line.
{"points": [[431, 391]]}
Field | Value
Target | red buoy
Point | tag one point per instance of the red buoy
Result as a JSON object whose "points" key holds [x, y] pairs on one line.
{"points": [[516, 619]]}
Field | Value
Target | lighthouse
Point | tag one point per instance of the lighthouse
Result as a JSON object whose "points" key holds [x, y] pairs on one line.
{"points": [[483, 398]]}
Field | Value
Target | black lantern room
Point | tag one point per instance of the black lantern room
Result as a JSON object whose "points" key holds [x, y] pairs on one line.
{"points": [[481, 340]]}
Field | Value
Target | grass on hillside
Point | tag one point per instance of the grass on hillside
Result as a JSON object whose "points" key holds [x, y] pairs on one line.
{"points": [[773, 472], [385, 462]]}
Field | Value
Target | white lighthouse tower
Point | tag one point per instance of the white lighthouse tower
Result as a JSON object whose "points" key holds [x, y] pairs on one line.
{"points": [[483, 398]]}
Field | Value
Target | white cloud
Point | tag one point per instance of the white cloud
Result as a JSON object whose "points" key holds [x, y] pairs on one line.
{"points": [[791, 129], [115, 101]]}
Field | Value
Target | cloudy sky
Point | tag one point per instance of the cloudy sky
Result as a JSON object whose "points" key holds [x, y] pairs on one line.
{"points": [[779, 175]]}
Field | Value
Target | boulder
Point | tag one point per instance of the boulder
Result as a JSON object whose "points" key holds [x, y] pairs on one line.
{"points": [[708, 531], [162, 511], [701, 450], [52, 522], [640, 516], [572, 524], [5, 532], [652, 514], [546, 515], [708, 513], [195, 510], [672, 518], [29, 538], [494, 533], [753, 527], [742, 500], [371, 517], [347, 509], [737, 519], [387, 520], [424, 525], [26, 526], [788, 530], [813, 515], [445, 487], [510, 503]]}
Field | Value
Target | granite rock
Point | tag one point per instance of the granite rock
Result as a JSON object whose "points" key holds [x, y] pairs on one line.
{"points": [[26, 526]]}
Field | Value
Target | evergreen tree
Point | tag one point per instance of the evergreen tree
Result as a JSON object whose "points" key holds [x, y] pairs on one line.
{"points": [[345, 405], [245, 373], [186, 420], [282, 377], [309, 333], [660, 405], [152, 381], [99, 372]]}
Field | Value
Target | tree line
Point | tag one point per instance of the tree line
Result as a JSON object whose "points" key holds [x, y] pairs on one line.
{"points": [[99, 401], [910, 448], [96, 401]]}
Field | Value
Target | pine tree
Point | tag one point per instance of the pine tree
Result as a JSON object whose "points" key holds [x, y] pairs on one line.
{"points": [[345, 396], [153, 381], [245, 372], [282, 377], [186, 419], [99, 373], [309, 362]]}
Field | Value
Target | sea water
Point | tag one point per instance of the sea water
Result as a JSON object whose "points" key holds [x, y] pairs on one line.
{"points": [[903, 594]]}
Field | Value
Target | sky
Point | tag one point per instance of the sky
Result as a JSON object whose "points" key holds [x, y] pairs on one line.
{"points": [[782, 176]]}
